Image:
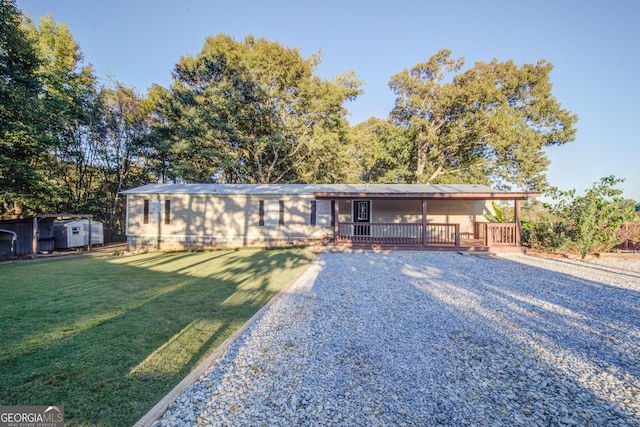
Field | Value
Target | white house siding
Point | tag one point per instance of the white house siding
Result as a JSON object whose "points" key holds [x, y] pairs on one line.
{"points": [[396, 211], [463, 212], [210, 221]]}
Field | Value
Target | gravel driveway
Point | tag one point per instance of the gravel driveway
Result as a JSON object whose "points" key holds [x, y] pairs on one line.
{"points": [[434, 339]]}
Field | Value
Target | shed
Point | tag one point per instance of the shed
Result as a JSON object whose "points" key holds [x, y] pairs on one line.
{"points": [[70, 233], [97, 233], [23, 229], [75, 233]]}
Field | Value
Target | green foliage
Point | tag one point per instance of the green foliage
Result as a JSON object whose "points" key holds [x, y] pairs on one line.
{"points": [[68, 145], [545, 235], [379, 153], [71, 105], [498, 215], [488, 124], [121, 153], [593, 221], [24, 142], [252, 111]]}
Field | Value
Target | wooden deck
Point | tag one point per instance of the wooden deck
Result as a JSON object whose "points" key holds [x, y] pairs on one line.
{"points": [[487, 238], [472, 246]]}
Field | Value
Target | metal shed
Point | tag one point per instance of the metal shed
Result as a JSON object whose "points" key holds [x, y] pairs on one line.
{"points": [[23, 229]]}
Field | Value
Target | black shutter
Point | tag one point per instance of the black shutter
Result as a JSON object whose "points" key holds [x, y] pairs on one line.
{"points": [[167, 211], [313, 212], [146, 212], [261, 221], [281, 220]]}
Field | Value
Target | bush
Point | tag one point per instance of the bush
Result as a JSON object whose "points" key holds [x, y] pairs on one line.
{"points": [[544, 236], [592, 222]]}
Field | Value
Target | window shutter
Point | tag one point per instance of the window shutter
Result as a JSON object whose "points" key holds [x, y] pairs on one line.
{"points": [[313, 212], [145, 219], [281, 219], [261, 221], [167, 211]]}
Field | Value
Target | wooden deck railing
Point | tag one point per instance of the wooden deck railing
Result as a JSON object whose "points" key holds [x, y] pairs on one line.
{"points": [[443, 234], [491, 234], [397, 233], [498, 233]]}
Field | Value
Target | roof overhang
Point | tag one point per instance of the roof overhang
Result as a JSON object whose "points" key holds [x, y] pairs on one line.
{"points": [[341, 191], [498, 195]]}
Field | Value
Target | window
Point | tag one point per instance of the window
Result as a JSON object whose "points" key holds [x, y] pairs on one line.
{"points": [[167, 211], [146, 212], [322, 212], [325, 212], [271, 213]]}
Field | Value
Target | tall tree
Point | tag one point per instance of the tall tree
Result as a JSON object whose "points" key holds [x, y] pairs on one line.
{"points": [[252, 111], [70, 99], [488, 124], [23, 140], [380, 152], [120, 156]]}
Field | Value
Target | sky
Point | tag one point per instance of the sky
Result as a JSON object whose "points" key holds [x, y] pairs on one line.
{"points": [[593, 46]]}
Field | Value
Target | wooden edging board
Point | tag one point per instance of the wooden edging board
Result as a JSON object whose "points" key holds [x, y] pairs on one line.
{"points": [[159, 409]]}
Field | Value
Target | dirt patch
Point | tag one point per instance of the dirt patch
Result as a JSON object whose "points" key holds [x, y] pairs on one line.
{"points": [[556, 255]]}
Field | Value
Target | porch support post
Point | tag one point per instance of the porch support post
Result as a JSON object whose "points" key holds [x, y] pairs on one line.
{"points": [[424, 222], [516, 210], [336, 220]]}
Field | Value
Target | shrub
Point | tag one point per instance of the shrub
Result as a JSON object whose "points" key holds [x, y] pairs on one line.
{"points": [[545, 236], [593, 221]]}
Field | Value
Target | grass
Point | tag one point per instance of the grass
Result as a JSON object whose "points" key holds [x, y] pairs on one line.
{"points": [[108, 337]]}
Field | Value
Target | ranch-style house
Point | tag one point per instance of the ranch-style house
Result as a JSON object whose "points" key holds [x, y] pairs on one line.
{"points": [[382, 216]]}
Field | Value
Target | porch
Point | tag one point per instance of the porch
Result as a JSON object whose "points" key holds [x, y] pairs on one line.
{"points": [[486, 237], [409, 218]]}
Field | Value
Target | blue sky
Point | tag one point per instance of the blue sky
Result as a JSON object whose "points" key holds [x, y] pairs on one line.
{"points": [[592, 44]]}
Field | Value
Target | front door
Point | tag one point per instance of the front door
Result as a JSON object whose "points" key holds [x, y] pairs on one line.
{"points": [[362, 214]]}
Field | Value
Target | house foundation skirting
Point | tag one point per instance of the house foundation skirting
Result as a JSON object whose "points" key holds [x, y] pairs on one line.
{"points": [[138, 242]]}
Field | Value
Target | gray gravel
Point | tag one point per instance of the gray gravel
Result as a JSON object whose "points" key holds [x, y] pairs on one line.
{"points": [[434, 339]]}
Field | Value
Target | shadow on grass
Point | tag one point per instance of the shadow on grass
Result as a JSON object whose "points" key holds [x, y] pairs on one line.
{"points": [[108, 337]]}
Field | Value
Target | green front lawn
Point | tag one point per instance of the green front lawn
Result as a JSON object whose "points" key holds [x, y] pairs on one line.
{"points": [[108, 337]]}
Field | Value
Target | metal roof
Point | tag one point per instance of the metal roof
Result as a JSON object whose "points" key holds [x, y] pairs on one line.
{"points": [[333, 190]]}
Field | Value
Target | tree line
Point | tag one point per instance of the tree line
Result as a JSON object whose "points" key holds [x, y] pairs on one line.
{"points": [[255, 111]]}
